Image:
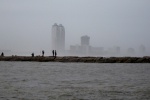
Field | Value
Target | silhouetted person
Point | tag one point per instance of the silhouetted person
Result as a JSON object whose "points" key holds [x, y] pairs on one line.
{"points": [[2, 54], [53, 52], [32, 54], [42, 52]]}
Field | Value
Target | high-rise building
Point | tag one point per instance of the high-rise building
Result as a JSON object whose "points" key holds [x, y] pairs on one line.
{"points": [[58, 37], [142, 49], [85, 40], [54, 36], [62, 37], [85, 44], [131, 51]]}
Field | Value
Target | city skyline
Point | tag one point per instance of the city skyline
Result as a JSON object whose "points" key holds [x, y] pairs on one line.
{"points": [[26, 25]]}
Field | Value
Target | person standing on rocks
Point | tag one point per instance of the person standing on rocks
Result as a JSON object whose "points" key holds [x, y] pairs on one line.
{"points": [[43, 53], [32, 54], [2, 54], [53, 52]]}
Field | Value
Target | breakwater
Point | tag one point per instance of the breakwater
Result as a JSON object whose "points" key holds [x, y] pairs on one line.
{"points": [[145, 59]]}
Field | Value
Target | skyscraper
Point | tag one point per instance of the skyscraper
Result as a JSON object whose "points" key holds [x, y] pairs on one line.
{"points": [[142, 49], [62, 37], [85, 40], [85, 44], [58, 37]]}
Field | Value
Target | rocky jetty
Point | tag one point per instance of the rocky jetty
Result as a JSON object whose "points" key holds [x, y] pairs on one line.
{"points": [[145, 59]]}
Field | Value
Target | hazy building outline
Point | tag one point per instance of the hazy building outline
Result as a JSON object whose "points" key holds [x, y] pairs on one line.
{"points": [[58, 37]]}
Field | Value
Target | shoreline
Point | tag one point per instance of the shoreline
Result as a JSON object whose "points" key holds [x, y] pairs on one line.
{"points": [[145, 59]]}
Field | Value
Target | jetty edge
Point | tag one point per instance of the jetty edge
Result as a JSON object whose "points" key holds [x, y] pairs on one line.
{"points": [[145, 59]]}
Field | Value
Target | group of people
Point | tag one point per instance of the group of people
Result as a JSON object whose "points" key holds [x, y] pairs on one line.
{"points": [[42, 54], [53, 52]]}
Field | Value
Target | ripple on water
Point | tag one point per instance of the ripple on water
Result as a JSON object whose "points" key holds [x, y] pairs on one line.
{"points": [[74, 81]]}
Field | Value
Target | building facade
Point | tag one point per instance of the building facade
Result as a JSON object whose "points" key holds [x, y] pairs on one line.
{"points": [[58, 37], [85, 40]]}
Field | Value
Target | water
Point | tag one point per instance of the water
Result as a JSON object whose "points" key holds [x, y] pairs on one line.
{"points": [[74, 81]]}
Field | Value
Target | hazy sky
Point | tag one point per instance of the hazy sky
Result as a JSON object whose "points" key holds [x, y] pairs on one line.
{"points": [[25, 25]]}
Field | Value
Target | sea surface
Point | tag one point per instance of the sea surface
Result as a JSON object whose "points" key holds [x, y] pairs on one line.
{"points": [[74, 81]]}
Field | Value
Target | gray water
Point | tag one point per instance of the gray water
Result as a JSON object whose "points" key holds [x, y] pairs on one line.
{"points": [[74, 81]]}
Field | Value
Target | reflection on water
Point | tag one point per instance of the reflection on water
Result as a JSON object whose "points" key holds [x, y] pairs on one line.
{"points": [[74, 81]]}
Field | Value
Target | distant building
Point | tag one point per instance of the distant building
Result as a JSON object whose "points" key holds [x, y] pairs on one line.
{"points": [[58, 37], [83, 49], [75, 49], [85, 40], [131, 51], [113, 51], [85, 45], [116, 50], [142, 49], [97, 51]]}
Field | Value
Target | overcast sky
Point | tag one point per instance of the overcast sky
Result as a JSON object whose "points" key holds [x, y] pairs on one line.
{"points": [[25, 25]]}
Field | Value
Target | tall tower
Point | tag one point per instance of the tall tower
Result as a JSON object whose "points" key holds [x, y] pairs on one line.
{"points": [[85, 40], [62, 37], [85, 44], [54, 36], [58, 37]]}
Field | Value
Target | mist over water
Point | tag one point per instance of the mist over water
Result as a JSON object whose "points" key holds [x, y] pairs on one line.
{"points": [[74, 81], [85, 28], [26, 26]]}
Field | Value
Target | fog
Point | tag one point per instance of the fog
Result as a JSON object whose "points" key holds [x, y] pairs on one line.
{"points": [[26, 25]]}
